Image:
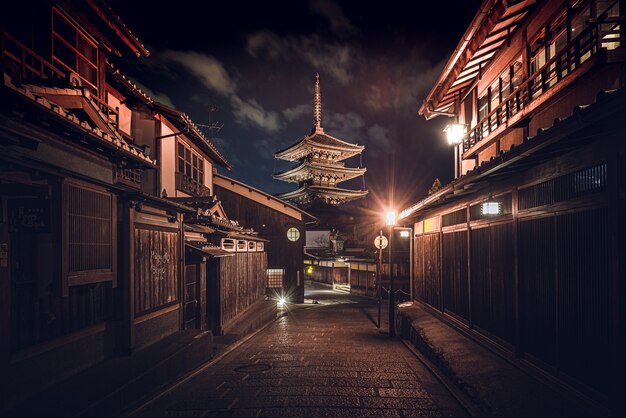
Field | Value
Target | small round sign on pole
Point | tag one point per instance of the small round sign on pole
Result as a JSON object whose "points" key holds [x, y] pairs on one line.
{"points": [[381, 242]]}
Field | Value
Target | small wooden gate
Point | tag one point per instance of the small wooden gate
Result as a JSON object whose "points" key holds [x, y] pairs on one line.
{"points": [[190, 301]]}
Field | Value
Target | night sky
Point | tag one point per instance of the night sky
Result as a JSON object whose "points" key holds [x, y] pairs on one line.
{"points": [[256, 62]]}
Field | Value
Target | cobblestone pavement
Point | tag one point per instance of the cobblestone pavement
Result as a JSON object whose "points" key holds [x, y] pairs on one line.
{"points": [[325, 359]]}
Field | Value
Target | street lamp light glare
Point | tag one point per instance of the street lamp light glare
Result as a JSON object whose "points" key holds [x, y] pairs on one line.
{"points": [[455, 132], [390, 217]]}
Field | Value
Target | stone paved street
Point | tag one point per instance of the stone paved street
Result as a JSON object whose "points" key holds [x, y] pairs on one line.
{"points": [[325, 359]]}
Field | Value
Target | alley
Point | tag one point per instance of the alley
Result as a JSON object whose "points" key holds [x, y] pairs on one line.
{"points": [[324, 359]]}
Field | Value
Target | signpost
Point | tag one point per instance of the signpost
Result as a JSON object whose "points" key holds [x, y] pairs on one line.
{"points": [[381, 243]]}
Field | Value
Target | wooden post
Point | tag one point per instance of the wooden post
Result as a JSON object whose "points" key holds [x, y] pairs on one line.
{"points": [[202, 293], [5, 293], [128, 277], [514, 208], [469, 268]]}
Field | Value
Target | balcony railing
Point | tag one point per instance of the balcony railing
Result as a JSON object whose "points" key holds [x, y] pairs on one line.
{"points": [[607, 34], [128, 176], [34, 68], [31, 65], [191, 186]]}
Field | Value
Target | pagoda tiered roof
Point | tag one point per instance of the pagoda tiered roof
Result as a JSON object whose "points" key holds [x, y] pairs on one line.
{"points": [[307, 194], [311, 170], [322, 144], [321, 167]]}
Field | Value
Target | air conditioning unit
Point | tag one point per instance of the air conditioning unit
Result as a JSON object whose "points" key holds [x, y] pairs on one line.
{"points": [[260, 246], [228, 244], [242, 245], [251, 246]]}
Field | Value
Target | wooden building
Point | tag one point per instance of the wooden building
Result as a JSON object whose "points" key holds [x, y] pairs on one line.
{"points": [[320, 165], [69, 170], [104, 248], [525, 249], [276, 220]]}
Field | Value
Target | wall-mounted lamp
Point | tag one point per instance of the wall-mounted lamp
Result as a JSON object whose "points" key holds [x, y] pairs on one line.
{"points": [[455, 133], [491, 207], [405, 233], [390, 218]]}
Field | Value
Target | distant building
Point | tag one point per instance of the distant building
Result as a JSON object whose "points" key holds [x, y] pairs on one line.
{"points": [[320, 168], [281, 223], [526, 248]]}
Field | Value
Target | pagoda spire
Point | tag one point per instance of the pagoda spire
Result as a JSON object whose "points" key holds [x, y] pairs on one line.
{"points": [[317, 106]]}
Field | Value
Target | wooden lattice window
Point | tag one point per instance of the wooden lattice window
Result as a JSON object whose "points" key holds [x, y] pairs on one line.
{"points": [[275, 278], [90, 218]]}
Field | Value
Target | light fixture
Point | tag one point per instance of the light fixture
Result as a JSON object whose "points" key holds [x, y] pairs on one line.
{"points": [[455, 132], [390, 218], [281, 302], [491, 207], [405, 234]]}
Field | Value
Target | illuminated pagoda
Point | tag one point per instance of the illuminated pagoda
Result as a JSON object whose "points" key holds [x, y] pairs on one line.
{"points": [[320, 165]]}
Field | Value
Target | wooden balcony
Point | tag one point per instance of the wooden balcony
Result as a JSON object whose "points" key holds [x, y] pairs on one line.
{"points": [[35, 69], [127, 176], [605, 34], [188, 185]]}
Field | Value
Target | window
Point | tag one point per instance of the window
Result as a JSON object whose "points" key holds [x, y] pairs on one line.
{"points": [[190, 163], [275, 278], [293, 234], [91, 235], [73, 50], [610, 31]]}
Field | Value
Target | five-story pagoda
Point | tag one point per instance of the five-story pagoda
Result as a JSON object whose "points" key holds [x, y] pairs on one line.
{"points": [[320, 165]]}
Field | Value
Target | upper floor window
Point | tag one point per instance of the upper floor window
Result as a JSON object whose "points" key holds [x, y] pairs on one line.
{"points": [[73, 50], [190, 163]]}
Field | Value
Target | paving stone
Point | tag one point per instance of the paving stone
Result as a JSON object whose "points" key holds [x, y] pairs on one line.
{"points": [[326, 360], [403, 393]]}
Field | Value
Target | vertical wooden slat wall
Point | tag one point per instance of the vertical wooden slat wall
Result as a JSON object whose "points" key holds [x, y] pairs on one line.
{"points": [[242, 283], [156, 274], [565, 314], [454, 273]]}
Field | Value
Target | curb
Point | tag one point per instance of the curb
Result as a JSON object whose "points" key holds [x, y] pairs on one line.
{"points": [[185, 378]]}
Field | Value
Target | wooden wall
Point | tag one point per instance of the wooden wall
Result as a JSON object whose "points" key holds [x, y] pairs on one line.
{"points": [[157, 262], [363, 278], [271, 225], [235, 283], [540, 280]]}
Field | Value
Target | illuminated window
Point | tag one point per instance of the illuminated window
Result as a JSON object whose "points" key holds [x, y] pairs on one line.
{"points": [[275, 278], [293, 234]]}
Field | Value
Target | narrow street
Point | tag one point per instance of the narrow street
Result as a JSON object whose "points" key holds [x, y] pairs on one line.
{"points": [[324, 359]]}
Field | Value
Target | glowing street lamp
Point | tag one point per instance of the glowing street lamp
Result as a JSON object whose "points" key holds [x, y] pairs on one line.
{"points": [[455, 132], [390, 218]]}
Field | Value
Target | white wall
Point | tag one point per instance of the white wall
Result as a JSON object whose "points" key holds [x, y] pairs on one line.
{"points": [[168, 162], [124, 113], [208, 175]]}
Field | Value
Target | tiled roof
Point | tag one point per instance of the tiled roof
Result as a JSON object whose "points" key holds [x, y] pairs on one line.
{"points": [[35, 95]]}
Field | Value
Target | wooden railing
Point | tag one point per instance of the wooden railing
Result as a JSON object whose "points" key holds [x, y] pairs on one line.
{"points": [[191, 186], [608, 33], [33, 67], [31, 64], [128, 176]]}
